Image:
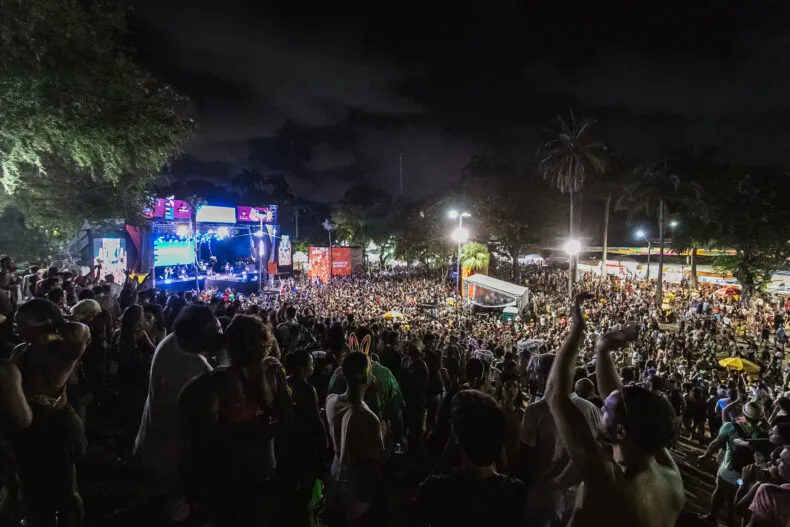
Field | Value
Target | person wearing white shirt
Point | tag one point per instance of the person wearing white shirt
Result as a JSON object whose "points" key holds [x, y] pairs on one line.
{"points": [[161, 440]]}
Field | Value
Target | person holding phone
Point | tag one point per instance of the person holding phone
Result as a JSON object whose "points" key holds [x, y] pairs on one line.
{"points": [[48, 450]]}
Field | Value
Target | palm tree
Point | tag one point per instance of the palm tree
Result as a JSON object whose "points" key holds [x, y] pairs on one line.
{"points": [[568, 157], [475, 257], [656, 188]]}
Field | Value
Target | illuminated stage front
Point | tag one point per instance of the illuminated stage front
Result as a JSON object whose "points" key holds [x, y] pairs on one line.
{"points": [[238, 285]]}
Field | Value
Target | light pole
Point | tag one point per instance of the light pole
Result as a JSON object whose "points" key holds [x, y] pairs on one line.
{"points": [[328, 227], [641, 234], [572, 248], [460, 235]]}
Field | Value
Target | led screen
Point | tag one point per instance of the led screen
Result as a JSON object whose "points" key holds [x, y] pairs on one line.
{"points": [[173, 252], [213, 214], [110, 253]]}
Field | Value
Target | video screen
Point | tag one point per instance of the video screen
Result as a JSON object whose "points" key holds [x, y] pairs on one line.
{"points": [[214, 214], [110, 253], [168, 253]]}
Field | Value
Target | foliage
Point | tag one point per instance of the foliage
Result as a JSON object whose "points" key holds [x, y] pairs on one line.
{"points": [[76, 111], [510, 208], [24, 243], [421, 231], [48, 203], [475, 257], [662, 181], [301, 246], [263, 189], [570, 154], [750, 214], [364, 214]]}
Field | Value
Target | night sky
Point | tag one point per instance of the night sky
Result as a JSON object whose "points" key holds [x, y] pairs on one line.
{"points": [[330, 93]]}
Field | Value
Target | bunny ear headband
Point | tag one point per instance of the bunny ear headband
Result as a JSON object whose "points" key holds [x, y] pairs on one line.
{"points": [[356, 347]]}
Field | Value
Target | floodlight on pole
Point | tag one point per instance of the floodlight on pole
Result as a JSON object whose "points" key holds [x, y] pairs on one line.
{"points": [[460, 235], [641, 234], [573, 247]]}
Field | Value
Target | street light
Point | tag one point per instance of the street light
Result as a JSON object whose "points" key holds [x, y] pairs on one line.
{"points": [[641, 234], [673, 224], [459, 235], [573, 247]]}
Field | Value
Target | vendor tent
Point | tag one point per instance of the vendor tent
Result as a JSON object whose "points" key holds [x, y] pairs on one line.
{"points": [[509, 313], [485, 291]]}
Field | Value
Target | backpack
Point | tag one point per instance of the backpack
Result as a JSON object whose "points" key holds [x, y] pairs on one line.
{"points": [[744, 455]]}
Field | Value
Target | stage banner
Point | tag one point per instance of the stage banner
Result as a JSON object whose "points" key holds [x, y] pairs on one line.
{"points": [[319, 264], [341, 261], [284, 257], [272, 269], [246, 214], [169, 209]]}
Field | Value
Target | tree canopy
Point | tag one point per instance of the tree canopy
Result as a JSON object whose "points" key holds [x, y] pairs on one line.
{"points": [[512, 207], [571, 154], [749, 214], [78, 113]]}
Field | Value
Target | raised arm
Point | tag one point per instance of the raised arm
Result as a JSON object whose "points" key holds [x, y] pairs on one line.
{"points": [[560, 382], [605, 371], [579, 440]]}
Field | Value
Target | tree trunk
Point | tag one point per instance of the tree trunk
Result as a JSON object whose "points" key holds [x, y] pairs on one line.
{"points": [[605, 234], [515, 272], [693, 257], [745, 273], [660, 282], [571, 257]]}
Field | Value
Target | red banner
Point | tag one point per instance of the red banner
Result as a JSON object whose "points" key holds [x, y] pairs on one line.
{"points": [[319, 264], [341, 261]]}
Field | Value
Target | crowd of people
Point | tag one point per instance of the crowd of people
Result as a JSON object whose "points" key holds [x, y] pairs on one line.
{"points": [[305, 407]]}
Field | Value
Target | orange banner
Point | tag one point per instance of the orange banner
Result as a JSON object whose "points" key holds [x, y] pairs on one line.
{"points": [[341, 261], [319, 264]]}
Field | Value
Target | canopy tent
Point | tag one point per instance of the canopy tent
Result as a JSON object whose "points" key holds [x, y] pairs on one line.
{"points": [[509, 313], [485, 291]]}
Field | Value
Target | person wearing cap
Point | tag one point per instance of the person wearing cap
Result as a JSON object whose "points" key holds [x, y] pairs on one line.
{"points": [[749, 427], [636, 483]]}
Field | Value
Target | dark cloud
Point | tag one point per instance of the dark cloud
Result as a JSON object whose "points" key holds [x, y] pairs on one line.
{"points": [[332, 94], [249, 76]]}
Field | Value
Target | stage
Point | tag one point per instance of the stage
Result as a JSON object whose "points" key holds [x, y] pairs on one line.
{"points": [[239, 285], [244, 285], [174, 285]]}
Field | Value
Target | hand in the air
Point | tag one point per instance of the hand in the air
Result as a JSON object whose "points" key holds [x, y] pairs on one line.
{"points": [[578, 319], [617, 339]]}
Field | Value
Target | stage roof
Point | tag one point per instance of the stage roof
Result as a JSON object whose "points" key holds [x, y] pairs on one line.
{"points": [[516, 292]]}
